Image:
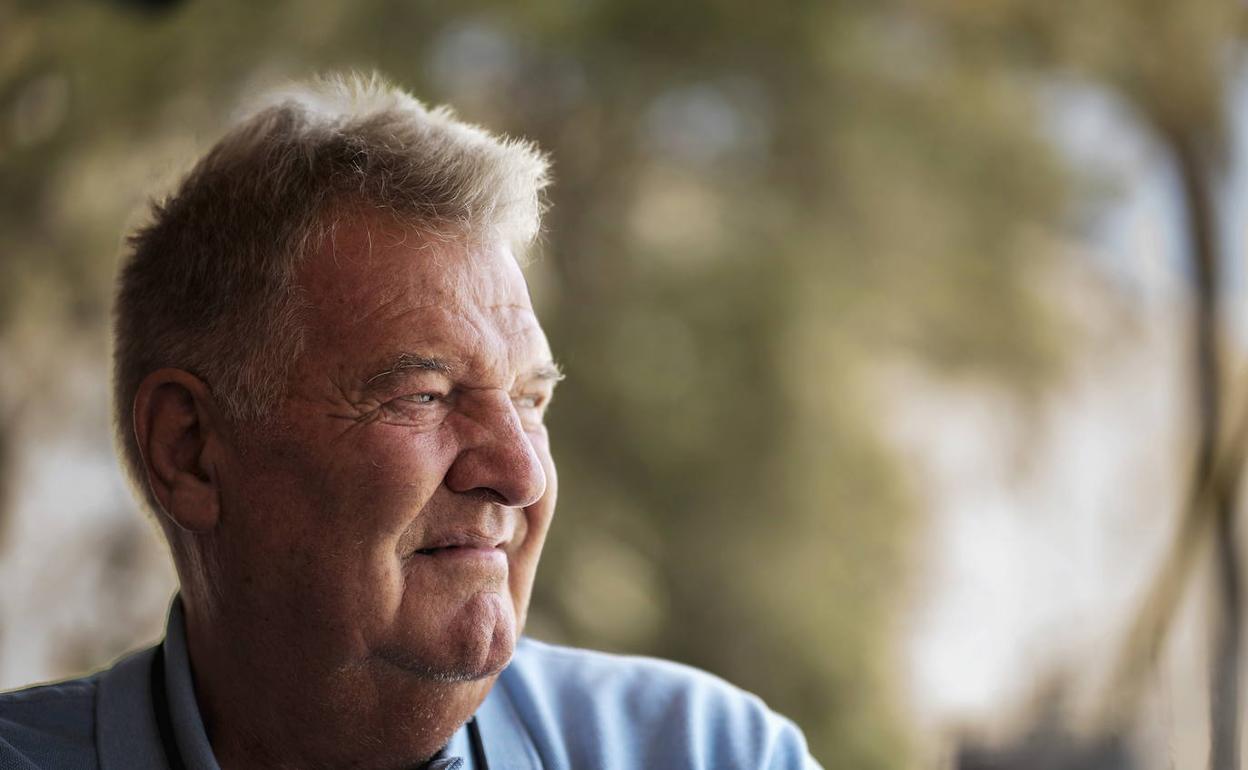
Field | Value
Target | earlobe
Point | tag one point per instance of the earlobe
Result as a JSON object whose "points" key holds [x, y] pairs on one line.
{"points": [[175, 430]]}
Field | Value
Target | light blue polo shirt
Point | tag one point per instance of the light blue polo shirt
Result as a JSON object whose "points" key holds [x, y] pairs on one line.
{"points": [[553, 707]]}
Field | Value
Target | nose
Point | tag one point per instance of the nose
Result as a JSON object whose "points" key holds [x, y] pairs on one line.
{"points": [[496, 457]]}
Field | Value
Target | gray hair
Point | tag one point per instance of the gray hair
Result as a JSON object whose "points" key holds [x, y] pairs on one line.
{"points": [[209, 285]]}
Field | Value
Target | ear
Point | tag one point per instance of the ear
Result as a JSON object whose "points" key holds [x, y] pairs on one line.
{"points": [[178, 437]]}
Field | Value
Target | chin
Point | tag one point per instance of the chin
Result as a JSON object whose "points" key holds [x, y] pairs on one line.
{"points": [[476, 643], [482, 638]]}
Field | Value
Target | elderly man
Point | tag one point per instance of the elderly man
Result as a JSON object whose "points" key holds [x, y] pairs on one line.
{"points": [[330, 388]]}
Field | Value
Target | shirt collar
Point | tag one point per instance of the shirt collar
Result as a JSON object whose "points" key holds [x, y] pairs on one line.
{"points": [[188, 726]]}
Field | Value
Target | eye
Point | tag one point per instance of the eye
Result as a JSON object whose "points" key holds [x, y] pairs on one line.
{"points": [[417, 409], [530, 400]]}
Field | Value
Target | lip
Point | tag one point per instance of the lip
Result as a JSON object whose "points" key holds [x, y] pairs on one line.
{"points": [[466, 539], [464, 544]]}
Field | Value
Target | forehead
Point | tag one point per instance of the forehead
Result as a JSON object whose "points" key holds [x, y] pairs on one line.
{"points": [[378, 291]]}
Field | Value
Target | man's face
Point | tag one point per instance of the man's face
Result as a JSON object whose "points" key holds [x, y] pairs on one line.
{"points": [[394, 516]]}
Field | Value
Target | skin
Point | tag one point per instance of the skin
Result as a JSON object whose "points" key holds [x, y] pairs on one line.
{"points": [[323, 631]]}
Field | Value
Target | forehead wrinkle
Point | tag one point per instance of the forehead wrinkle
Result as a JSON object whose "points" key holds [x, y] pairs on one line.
{"points": [[478, 331], [388, 304], [493, 350], [521, 320]]}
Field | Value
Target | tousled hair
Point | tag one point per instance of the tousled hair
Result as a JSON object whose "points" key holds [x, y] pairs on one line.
{"points": [[209, 284]]}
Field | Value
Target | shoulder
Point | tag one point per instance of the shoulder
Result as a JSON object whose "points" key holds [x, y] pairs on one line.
{"points": [[51, 725], [595, 709], [630, 682]]}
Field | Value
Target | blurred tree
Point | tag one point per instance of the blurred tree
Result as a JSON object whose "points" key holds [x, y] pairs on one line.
{"points": [[1175, 64], [754, 205]]}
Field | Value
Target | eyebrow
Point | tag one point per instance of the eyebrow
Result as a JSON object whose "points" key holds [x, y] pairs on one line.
{"points": [[548, 372], [545, 372], [407, 361]]}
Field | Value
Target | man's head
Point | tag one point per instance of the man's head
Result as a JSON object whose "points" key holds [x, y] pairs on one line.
{"points": [[330, 383]]}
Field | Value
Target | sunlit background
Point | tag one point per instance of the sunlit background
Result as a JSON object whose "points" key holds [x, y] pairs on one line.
{"points": [[879, 321]]}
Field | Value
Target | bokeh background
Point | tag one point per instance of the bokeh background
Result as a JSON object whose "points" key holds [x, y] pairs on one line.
{"points": [[904, 341]]}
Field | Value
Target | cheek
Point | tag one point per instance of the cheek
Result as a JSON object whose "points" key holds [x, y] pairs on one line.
{"points": [[540, 513], [331, 520], [534, 522], [383, 479]]}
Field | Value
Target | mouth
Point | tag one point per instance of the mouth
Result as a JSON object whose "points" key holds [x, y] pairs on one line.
{"points": [[452, 548], [463, 544]]}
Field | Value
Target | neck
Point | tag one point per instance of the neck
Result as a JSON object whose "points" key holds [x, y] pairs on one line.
{"points": [[266, 702]]}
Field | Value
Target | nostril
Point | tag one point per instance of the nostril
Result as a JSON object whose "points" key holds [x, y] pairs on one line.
{"points": [[487, 495]]}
